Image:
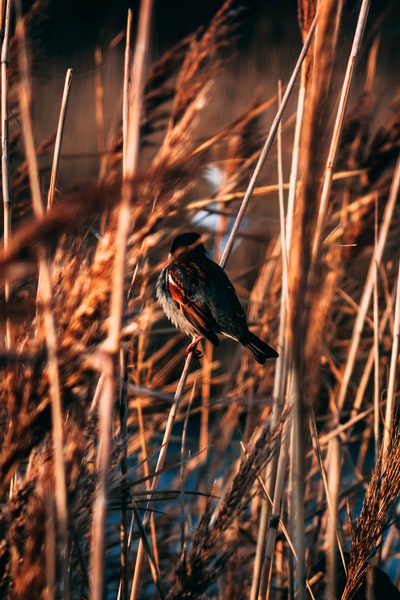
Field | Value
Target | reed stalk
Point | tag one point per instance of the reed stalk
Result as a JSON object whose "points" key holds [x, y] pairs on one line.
{"points": [[337, 129], [5, 157], [45, 297], [59, 136], [123, 590], [261, 581], [391, 391]]}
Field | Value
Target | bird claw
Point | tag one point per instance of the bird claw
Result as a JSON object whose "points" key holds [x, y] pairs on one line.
{"points": [[193, 348], [197, 353]]}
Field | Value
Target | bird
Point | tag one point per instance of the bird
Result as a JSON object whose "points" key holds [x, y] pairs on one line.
{"points": [[198, 297]]}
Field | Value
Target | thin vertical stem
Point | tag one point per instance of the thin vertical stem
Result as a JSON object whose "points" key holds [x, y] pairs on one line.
{"points": [[337, 130], [58, 142], [125, 99], [123, 419], [5, 157], [50, 548], [259, 586], [297, 478], [123, 398], [2, 16], [376, 348], [276, 508], [391, 392], [99, 100], [205, 402], [45, 297], [105, 407], [295, 161], [332, 491]]}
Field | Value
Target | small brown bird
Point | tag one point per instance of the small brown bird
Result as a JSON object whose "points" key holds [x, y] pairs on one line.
{"points": [[200, 300]]}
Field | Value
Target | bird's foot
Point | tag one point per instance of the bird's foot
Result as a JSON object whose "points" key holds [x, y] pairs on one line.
{"points": [[193, 348]]}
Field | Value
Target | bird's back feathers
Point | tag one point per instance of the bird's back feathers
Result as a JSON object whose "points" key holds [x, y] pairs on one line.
{"points": [[199, 298]]}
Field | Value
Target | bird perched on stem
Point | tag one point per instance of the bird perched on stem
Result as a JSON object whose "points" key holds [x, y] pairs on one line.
{"points": [[200, 300]]}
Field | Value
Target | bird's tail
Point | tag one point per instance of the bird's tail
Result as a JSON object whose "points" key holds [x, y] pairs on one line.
{"points": [[259, 349]]}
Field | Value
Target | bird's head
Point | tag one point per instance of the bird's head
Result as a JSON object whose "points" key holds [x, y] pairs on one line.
{"points": [[186, 242]]}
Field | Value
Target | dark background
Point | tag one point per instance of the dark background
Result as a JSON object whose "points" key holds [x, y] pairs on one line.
{"points": [[74, 24], [69, 31]]}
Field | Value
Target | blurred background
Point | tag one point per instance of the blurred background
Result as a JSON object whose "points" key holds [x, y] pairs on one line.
{"points": [[88, 36]]}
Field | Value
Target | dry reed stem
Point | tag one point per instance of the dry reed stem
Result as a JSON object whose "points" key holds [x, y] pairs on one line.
{"points": [[306, 344], [123, 420], [375, 348], [332, 493], [391, 391], [125, 97], [45, 305], [99, 100], [5, 157], [265, 543], [337, 129], [303, 345], [296, 476], [123, 396], [58, 142]]}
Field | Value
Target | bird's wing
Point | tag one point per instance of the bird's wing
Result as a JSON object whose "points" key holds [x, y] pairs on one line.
{"points": [[182, 285], [227, 294], [235, 303]]}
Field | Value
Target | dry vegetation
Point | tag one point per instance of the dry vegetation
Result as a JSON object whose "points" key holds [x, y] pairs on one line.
{"points": [[123, 476]]}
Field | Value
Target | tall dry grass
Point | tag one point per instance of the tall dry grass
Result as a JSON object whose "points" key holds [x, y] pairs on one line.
{"points": [[124, 476]]}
